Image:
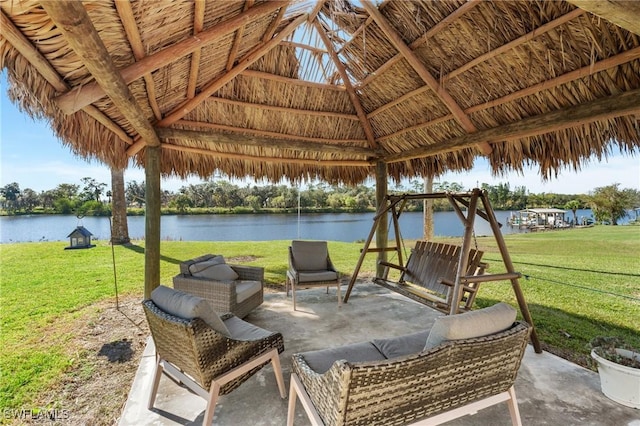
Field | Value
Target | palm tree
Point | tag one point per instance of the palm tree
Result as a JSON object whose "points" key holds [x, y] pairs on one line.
{"points": [[573, 205], [119, 227]]}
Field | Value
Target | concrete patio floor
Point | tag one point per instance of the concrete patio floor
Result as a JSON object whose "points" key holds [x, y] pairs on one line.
{"points": [[550, 390]]}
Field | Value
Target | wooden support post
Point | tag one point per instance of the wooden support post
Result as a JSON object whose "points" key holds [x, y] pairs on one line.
{"points": [[152, 220], [382, 233], [506, 258], [456, 294]]}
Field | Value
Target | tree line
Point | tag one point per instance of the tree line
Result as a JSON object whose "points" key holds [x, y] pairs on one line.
{"points": [[609, 203]]}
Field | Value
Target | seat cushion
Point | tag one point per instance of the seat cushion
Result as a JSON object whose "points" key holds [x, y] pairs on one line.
{"points": [[309, 277], [245, 289], [242, 330], [401, 345], [310, 255], [482, 322], [321, 361], [187, 306]]}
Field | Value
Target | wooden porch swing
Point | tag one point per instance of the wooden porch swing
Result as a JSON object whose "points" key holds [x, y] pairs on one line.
{"points": [[444, 276]]}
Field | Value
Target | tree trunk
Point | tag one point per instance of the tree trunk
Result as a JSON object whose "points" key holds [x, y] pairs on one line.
{"points": [[428, 210], [119, 226]]}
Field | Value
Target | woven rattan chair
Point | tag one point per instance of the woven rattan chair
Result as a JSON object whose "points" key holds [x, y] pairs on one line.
{"points": [[207, 362], [310, 266], [433, 386], [224, 295]]}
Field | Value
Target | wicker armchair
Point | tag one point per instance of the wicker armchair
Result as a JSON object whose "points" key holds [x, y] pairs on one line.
{"points": [[239, 296], [206, 361], [431, 386]]}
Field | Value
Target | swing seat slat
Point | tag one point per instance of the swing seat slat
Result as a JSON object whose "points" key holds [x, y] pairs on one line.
{"points": [[430, 273]]}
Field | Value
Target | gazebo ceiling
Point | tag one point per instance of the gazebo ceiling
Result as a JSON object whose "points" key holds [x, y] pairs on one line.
{"points": [[329, 89]]}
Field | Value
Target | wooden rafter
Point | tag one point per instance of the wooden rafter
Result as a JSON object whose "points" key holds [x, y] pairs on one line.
{"points": [[81, 96], [237, 39], [362, 116], [274, 23], [316, 9], [623, 13], [447, 20], [480, 59], [125, 12], [264, 133], [287, 110], [260, 142], [313, 49], [194, 66], [293, 81], [74, 23], [626, 103], [424, 73], [40, 63], [277, 160], [215, 85], [586, 71]]}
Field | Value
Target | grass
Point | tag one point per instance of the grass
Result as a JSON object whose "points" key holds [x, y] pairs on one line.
{"points": [[571, 277]]}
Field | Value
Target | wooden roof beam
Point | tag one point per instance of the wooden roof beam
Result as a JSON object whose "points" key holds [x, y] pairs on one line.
{"points": [[623, 13], [260, 142], [133, 35], [74, 23], [272, 135], [46, 70], [292, 81], [237, 39], [447, 20], [362, 116], [81, 96], [194, 66], [626, 103], [424, 73], [287, 110], [586, 71], [215, 85], [263, 159]]}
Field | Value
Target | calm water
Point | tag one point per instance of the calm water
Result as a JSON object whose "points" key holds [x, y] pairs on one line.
{"points": [[347, 227]]}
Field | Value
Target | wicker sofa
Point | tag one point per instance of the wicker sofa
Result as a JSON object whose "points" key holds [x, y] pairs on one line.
{"points": [[239, 289], [429, 377]]}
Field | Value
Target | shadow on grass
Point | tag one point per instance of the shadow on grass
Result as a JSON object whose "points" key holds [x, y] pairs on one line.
{"points": [[139, 249], [119, 351], [568, 334]]}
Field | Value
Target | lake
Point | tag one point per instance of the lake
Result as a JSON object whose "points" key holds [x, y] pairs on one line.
{"points": [[348, 227]]}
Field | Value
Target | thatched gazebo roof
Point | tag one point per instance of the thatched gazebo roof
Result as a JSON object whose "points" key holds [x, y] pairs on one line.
{"points": [[329, 89]]}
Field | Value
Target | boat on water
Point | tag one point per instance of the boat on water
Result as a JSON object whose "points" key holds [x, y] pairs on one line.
{"points": [[536, 219]]}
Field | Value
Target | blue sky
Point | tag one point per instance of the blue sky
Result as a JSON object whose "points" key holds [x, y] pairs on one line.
{"points": [[31, 155]]}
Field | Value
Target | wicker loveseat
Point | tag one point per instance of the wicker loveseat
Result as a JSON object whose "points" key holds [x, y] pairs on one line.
{"points": [[229, 288], [429, 377]]}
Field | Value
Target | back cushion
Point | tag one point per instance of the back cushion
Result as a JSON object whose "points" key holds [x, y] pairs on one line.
{"points": [[482, 322], [310, 255], [187, 306], [201, 266]]}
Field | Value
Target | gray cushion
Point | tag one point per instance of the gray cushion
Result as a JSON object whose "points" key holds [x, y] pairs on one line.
{"points": [[471, 324], [202, 265], [242, 330], [309, 277], [402, 345], [320, 361], [219, 272], [310, 255], [245, 289], [187, 306]]}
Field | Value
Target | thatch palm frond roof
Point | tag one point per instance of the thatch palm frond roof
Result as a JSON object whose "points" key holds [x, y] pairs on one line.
{"points": [[329, 89]]}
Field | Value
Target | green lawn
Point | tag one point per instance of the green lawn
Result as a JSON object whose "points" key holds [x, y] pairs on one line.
{"points": [[572, 274]]}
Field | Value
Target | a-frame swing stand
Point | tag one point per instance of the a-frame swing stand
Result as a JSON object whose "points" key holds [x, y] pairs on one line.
{"points": [[469, 201]]}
